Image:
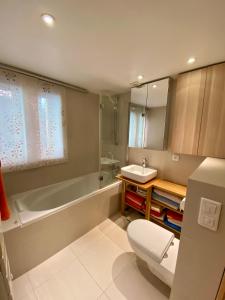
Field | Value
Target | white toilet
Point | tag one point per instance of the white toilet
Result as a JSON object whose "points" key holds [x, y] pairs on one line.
{"points": [[155, 245]]}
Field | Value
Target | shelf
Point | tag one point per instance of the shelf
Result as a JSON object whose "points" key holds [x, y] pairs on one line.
{"points": [[159, 222], [166, 186], [166, 206], [139, 210], [129, 190], [169, 187], [143, 186], [172, 188]]}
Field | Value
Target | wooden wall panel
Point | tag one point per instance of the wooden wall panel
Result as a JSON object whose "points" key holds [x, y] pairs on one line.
{"points": [[212, 136]]}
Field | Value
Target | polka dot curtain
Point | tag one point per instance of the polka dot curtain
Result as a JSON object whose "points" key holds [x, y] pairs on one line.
{"points": [[32, 122]]}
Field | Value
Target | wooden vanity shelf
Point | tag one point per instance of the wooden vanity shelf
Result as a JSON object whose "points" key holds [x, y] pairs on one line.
{"points": [[132, 188]]}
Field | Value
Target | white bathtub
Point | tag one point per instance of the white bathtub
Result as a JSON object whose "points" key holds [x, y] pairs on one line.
{"points": [[41, 202], [48, 219]]}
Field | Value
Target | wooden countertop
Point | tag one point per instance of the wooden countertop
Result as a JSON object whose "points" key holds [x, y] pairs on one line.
{"points": [[173, 188]]}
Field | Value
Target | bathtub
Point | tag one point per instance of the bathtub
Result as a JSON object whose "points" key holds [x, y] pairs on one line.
{"points": [[41, 202], [52, 217]]}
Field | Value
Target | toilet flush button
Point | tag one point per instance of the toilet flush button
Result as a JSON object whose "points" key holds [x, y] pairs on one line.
{"points": [[209, 213]]}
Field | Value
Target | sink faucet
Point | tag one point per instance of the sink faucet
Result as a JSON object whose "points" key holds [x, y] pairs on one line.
{"points": [[144, 162]]}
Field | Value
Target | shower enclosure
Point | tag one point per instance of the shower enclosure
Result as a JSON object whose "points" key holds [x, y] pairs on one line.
{"points": [[113, 134]]}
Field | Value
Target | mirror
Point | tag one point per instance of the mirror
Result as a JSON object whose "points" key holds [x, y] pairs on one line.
{"points": [[148, 115]]}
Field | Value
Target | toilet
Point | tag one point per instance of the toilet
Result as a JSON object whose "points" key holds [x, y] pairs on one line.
{"points": [[157, 246]]}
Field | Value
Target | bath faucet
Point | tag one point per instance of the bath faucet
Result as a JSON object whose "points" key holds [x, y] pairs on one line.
{"points": [[144, 162]]}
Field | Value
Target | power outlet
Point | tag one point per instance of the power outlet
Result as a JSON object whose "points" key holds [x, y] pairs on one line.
{"points": [[175, 157]]}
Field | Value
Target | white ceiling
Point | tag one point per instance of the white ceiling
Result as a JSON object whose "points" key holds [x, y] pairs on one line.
{"points": [[104, 45]]}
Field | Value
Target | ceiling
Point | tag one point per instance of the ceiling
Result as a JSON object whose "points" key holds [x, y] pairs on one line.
{"points": [[104, 45]]}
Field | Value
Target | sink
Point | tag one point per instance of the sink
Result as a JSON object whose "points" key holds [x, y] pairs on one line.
{"points": [[138, 173]]}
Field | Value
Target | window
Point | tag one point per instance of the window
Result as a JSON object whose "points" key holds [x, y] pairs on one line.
{"points": [[31, 122]]}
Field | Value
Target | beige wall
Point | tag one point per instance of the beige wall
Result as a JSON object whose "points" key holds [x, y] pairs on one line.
{"points": [[82, 111], [201, 258]]}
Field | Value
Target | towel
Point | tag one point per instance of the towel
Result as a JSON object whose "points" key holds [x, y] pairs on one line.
{"points": [[135, 201], [178, 228], [182, 204], [134, 197], [169, 196], [175, 222], [165, 200], [141, 192], [156, 207], [174, 215], [4, 209], [159, 216], [135, 205]]}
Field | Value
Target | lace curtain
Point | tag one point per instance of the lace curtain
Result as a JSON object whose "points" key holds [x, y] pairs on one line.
{"points": [[32, 122]]}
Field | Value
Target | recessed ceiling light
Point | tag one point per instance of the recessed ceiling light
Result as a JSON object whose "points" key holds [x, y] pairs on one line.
{"points": [[140, 77], [191, 60], [48, 19], [154, 86]]}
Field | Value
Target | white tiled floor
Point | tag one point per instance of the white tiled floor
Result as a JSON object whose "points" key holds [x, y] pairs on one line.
{"points": [[100, 265]]}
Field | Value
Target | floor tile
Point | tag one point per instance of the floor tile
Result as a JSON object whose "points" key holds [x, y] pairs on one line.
{"points": [[53, 289], [119, 237], [106, 226], [100, 265], [79, 281], [22, 288], [100, 260], [103, 297], [45, 270], [73, 282], [121, 221], [136, 282], [82, 244]]}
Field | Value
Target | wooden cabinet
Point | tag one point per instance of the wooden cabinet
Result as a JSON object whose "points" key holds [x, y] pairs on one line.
{"points": [[221, 292], [148, 187], [198, 116], [187, 110], [212, 135]]}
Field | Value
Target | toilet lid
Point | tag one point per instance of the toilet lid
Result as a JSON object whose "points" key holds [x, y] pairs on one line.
{"points": [[150, 238]]}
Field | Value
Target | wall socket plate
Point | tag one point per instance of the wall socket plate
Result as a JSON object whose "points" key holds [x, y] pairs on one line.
{"points": [[175, 157]]}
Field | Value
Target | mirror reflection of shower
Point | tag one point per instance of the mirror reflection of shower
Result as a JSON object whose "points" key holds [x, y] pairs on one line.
{"points": [[109, 111], [111, 140]]}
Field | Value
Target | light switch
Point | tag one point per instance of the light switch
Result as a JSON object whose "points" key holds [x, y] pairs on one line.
{"points": [[209, 208], [209, 213]]}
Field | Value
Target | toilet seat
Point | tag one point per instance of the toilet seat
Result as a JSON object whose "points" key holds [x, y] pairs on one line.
{"points": [[152, 239]]}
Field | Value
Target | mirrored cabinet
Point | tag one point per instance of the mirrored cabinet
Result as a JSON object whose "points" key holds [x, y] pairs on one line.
{"points": [[148, 115]]}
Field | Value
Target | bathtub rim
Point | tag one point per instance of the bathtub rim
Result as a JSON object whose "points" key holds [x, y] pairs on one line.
{"points": [[16, 221]]}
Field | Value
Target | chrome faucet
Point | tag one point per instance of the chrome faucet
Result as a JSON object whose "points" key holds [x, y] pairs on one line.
{"points": [[144, 162]]}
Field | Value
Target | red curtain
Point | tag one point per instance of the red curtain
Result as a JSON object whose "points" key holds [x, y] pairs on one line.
{"points": [[4, 209]]}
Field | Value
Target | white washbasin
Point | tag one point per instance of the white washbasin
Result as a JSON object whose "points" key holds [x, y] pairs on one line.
{"points": [[138, 173]]}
